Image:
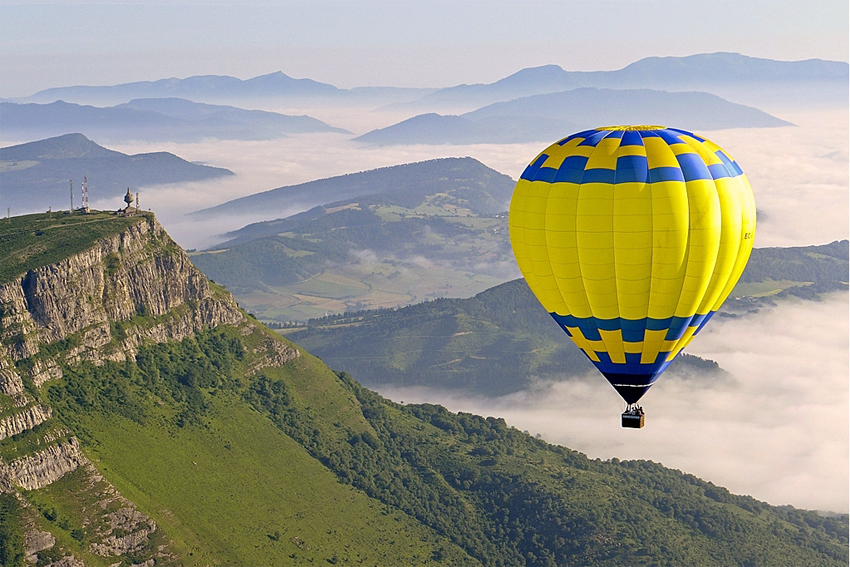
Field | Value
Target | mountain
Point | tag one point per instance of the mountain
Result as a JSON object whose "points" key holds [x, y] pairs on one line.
{"points": [[434, 128], [591, 107], [744, 79], [147, 420], [168, 119], [747, 80], [119, 439], [496, 342], [549, 117], [805, 272], [413, 179], [414, 232], [218, 88], [273, 84], [34, 176]]}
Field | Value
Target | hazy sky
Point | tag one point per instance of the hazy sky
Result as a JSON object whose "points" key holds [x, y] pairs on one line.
{"points": [[429, 43]]}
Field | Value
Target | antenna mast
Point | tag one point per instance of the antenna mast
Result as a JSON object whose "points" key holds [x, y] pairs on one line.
{"points": [[71, 181]]}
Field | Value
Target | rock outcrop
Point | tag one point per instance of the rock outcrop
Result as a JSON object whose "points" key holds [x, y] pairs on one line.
{"points": [[35, 541], [139, 273], [128, 289], [46, 466], [23, 420]]}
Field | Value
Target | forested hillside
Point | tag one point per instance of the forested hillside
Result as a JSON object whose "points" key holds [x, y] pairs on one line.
{"points": [[493, 344], [409, 233], [500, 340]]}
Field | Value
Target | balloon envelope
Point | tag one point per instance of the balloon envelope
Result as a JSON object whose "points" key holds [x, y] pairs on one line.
{"points": [[632, 237]]}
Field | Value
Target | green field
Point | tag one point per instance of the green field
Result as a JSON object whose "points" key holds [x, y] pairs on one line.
{"points": [[764, 288]]}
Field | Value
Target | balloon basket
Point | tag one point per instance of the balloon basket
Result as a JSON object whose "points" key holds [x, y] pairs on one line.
{"points": [[633, 418]]}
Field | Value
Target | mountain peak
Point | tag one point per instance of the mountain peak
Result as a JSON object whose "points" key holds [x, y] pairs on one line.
{"points": [[60, 147]]}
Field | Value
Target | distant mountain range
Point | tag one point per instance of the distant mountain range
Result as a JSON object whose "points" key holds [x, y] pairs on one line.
{"points": [[736, 77], [437, 129], [34, 176], [412, 180], [211, 85], [748, 80], [549, 117], [220, 88], [161, 119]]}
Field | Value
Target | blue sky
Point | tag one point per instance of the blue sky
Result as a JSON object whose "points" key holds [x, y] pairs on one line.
{"points": [[424, 43]]}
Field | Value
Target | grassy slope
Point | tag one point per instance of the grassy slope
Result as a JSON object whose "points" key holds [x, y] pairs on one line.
{"points": [[233, 489], [220, 487], [238, 491], [253, 488], [28, 242]]}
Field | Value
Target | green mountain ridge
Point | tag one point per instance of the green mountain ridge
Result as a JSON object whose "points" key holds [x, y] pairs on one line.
{"points": [[414, 232], [406, 182], [182, 432], [501, 340], [498, 342]]}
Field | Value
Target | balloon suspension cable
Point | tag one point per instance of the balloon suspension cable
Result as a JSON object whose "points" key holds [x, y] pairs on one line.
{"points": [[633, 409]]}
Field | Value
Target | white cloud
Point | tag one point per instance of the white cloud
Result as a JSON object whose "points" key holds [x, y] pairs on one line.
{"points": [[799, 176]]}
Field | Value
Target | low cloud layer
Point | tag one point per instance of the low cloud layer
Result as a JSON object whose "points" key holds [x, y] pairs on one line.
{"points": [[774, 428], [799, 174]]}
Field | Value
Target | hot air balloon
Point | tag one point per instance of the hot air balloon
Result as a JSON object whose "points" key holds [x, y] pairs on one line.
{"points": [[631, 237]]}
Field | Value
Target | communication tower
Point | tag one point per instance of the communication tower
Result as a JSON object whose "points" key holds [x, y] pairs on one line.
{"points": [[71, 181]]}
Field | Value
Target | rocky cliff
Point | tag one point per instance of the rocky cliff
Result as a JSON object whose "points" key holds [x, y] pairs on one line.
{"points": [[131, 287], [139, 273]]}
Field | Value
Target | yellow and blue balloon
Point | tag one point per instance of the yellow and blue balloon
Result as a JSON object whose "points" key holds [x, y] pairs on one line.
{"points": [[632, 237]]}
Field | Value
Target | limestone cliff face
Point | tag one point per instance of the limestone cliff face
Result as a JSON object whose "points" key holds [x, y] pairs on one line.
{"points": [[44, 467], [139, 272]]}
